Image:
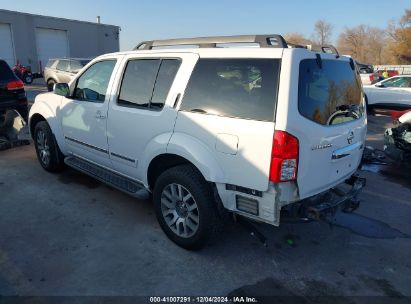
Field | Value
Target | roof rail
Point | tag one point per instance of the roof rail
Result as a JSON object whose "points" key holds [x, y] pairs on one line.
{"points": [[265, 41], [326, 48]]}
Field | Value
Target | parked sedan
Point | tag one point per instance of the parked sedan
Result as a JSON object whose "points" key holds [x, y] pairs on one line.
{"points": [[394, 92]]}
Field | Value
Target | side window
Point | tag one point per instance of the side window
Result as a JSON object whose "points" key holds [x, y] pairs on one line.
{"points": [[62, 65], [50, 63], [92, 84], [398, 82], [241, 88], [146, 82], [165, 78], [75, 66]]}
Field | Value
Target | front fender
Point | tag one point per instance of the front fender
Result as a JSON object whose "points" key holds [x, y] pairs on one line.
{"points": [[198, 154], [47, 106]]}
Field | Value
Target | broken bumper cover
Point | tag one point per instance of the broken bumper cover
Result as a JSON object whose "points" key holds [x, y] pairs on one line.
{"points": [[397, 143], [342, 197]]}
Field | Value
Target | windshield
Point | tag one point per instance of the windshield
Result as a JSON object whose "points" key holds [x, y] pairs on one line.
{"points": [[330, 94]]}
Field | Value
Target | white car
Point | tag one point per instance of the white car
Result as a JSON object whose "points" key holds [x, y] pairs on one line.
{"points": [[394, 92], [209, 131]]}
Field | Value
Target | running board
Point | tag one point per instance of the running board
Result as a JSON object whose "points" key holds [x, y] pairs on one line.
{"points": [[106, 176]]}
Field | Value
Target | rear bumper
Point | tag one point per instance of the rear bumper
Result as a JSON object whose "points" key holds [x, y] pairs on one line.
{"points": [[342, 197]]}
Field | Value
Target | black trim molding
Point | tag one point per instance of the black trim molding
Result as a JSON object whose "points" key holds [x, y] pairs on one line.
{"points": [[87, 145]]}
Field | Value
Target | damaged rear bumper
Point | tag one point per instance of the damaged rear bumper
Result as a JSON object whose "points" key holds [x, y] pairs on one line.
{"points": [[342, 197], [397, 143]]}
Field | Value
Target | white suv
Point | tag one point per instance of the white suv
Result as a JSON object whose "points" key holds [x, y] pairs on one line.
{"points": [[257, 131]]}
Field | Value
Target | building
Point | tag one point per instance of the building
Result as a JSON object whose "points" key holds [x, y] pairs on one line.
{"points": [[33, 39]]}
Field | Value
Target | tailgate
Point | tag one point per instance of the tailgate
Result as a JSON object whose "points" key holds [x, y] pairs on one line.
{"points": [[327, 116]]}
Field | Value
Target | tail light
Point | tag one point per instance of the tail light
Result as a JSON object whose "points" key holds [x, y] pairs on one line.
{"points": [[15, 85], [284, 157], [371, 78]]}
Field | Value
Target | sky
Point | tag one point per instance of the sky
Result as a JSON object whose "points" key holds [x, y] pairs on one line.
{"points": [[161, 19]]}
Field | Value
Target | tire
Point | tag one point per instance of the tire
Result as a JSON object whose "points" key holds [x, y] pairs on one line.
{"points": [[50, 84], [185, 207], [47, 150], [368, 107], [28, 79]]}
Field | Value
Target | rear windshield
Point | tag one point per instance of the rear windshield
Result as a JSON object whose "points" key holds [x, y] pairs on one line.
{"points": [[330, 94], [241, 88], [50, 63], [5, 71]]}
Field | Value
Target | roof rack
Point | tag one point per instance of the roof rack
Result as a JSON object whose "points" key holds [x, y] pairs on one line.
{"points": [[326, 48], [265, 41]]}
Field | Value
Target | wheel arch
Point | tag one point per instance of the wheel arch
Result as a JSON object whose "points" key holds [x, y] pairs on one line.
{"points": [[41, 111]]}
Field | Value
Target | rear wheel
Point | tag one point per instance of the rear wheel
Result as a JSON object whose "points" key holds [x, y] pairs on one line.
{"points": [[47, 150], [185, 207], [50, 84], [28, 78]]}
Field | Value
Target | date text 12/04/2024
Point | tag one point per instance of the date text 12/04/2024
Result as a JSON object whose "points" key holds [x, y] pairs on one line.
{"points": [[203, 300]]}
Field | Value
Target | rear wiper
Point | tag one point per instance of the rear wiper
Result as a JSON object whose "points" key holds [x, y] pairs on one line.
{"points": [[347, 107]]}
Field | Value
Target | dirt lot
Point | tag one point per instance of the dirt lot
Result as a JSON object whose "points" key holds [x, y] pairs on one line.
{"points": [[68, 234]]}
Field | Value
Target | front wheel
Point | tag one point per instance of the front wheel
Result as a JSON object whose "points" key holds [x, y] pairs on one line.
{"points": [[47, 150], [185, 207]]}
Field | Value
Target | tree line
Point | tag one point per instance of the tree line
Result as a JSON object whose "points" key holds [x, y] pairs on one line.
{"points": [[366, 44]]}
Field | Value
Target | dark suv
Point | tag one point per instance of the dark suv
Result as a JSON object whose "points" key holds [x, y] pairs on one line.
{"points": [[12, 94]]}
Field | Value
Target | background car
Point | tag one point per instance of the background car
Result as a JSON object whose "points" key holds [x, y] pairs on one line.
{"points": [[62, 70], [394, 92], [12, 94], [367, 73]]}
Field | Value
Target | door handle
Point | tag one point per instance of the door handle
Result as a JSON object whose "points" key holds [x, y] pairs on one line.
{"points": [[99, 115]]}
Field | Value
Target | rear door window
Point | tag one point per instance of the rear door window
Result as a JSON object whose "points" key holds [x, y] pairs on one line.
{"points": [[330, 94], [146, 82], [240, 88], [62, 65]]}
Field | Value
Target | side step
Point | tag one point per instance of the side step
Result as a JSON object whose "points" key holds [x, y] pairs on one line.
{"points": [[106, 176]]}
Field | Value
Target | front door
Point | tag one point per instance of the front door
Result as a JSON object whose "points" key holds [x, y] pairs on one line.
{"points": [[84, 115]]}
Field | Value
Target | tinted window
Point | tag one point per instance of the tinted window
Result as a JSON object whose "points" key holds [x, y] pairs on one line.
{"points": [[243, 88], [5, 71], [146, 82], [62, 65], [165, 78], [398, 82], [331, 94], [92, 84]]}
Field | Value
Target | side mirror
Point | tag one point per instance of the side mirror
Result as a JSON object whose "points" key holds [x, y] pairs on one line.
{"points": [[61, 89], [380, 85]]}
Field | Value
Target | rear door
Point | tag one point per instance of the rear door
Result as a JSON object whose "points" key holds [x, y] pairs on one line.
{"points": [[228, 110], [142, 113], [326, 114]]}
